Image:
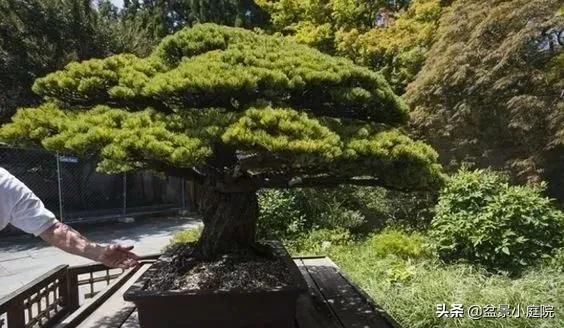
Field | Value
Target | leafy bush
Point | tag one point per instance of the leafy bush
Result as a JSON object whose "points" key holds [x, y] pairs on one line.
{"points": [[384, 207], [187, 236], [281, 214], [331, 208], [398, 243], [400, 272], [319, 242], [338, 216], [557, 260], [289, 213], [483, 219]]}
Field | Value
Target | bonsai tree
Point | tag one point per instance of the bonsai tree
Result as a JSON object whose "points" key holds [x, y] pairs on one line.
{"points": [[235, 111]]}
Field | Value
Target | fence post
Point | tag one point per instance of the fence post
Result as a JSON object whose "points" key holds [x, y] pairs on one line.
{"points": [[59, 187], [16, 314], [70, 294], [183, 183], [124, 211]]}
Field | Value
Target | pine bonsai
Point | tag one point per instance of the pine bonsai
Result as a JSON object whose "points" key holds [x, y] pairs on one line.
{"points": [[235, 111]]}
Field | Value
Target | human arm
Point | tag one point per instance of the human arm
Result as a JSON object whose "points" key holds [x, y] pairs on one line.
{"points": [[69, 240], [26, 211]]}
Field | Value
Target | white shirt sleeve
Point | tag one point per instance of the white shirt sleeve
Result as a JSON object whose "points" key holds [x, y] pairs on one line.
{"points": [[25, 210]]}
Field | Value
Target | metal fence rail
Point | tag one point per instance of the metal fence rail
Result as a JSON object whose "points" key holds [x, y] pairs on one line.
{"points": [[72, 189]]}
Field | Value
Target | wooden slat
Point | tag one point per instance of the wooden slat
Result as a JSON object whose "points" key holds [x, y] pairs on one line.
{"points": [[77, 316], [351, 307], [93, 280], [69, 291], [44, 317], [92, 267], [320, 261], [132, 321], [115, 311], [18, 302], [87, 268], [326, 261], [312, 311], [16, 315], [393, 323]]}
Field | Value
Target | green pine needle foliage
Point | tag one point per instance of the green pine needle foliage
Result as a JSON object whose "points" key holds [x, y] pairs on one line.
{"points": [[210, 88]]}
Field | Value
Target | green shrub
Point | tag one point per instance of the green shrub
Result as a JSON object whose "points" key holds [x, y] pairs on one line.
{"points": [[557, 260], [289, 213], [319, 242], [483, 219], [400, 272], [331, 208], [281, 214], [381, 207], [187, 236], [337, 216], [398, 243]]}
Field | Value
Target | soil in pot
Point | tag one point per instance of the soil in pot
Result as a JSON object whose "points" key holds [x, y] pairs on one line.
{"points": [[240, 270]]}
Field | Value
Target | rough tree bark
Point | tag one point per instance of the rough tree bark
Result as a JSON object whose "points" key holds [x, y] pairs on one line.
{"points": [[230, 221]]}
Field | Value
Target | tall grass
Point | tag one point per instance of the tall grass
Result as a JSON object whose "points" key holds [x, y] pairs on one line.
{"points": [[410, 289], [406, 279]]}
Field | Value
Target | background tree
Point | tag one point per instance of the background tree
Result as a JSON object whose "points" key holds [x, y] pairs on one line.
{"points": [[37, 37], [234, 111], [492, 88], [163, 17], [128, 33], [392, 37], [399, 48], [316, 22]]}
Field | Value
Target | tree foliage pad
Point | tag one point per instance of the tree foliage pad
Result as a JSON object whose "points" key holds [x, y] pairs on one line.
{"points": [[222, 101]]}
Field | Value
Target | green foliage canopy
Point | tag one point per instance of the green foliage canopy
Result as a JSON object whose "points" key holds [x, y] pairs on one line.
{"points": [[233, 108]]}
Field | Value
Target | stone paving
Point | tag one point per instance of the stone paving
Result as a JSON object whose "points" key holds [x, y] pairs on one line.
{"points": [[24, 258]]}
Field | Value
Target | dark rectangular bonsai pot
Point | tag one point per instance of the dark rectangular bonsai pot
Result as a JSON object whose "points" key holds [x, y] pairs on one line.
{"points": [[218, 309]]}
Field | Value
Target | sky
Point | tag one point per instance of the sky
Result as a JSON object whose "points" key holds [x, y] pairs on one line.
{"points": [[118, 3]]}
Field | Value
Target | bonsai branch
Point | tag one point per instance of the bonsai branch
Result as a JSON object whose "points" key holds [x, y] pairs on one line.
{"points": [[254, 183]]}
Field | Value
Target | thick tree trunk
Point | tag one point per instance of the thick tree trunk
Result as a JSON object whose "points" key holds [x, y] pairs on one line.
{"points": [[229, 222]]}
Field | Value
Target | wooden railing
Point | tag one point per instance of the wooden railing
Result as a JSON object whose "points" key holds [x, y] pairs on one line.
{"points": [[50, 297], [39, 303], [89, 280]]}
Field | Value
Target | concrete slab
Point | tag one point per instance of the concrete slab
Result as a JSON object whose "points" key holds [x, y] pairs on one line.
{"points": [[11, 257], [3, 271], [10, 283]]}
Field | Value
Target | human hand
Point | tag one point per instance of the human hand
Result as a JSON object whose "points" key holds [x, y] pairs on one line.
{"points": [[118, 256]]}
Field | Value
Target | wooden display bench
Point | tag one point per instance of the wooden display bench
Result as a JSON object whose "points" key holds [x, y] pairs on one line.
{"points": [[56, 299]]}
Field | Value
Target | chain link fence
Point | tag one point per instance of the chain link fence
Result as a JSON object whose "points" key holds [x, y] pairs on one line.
{"points": [[72, 189]]}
